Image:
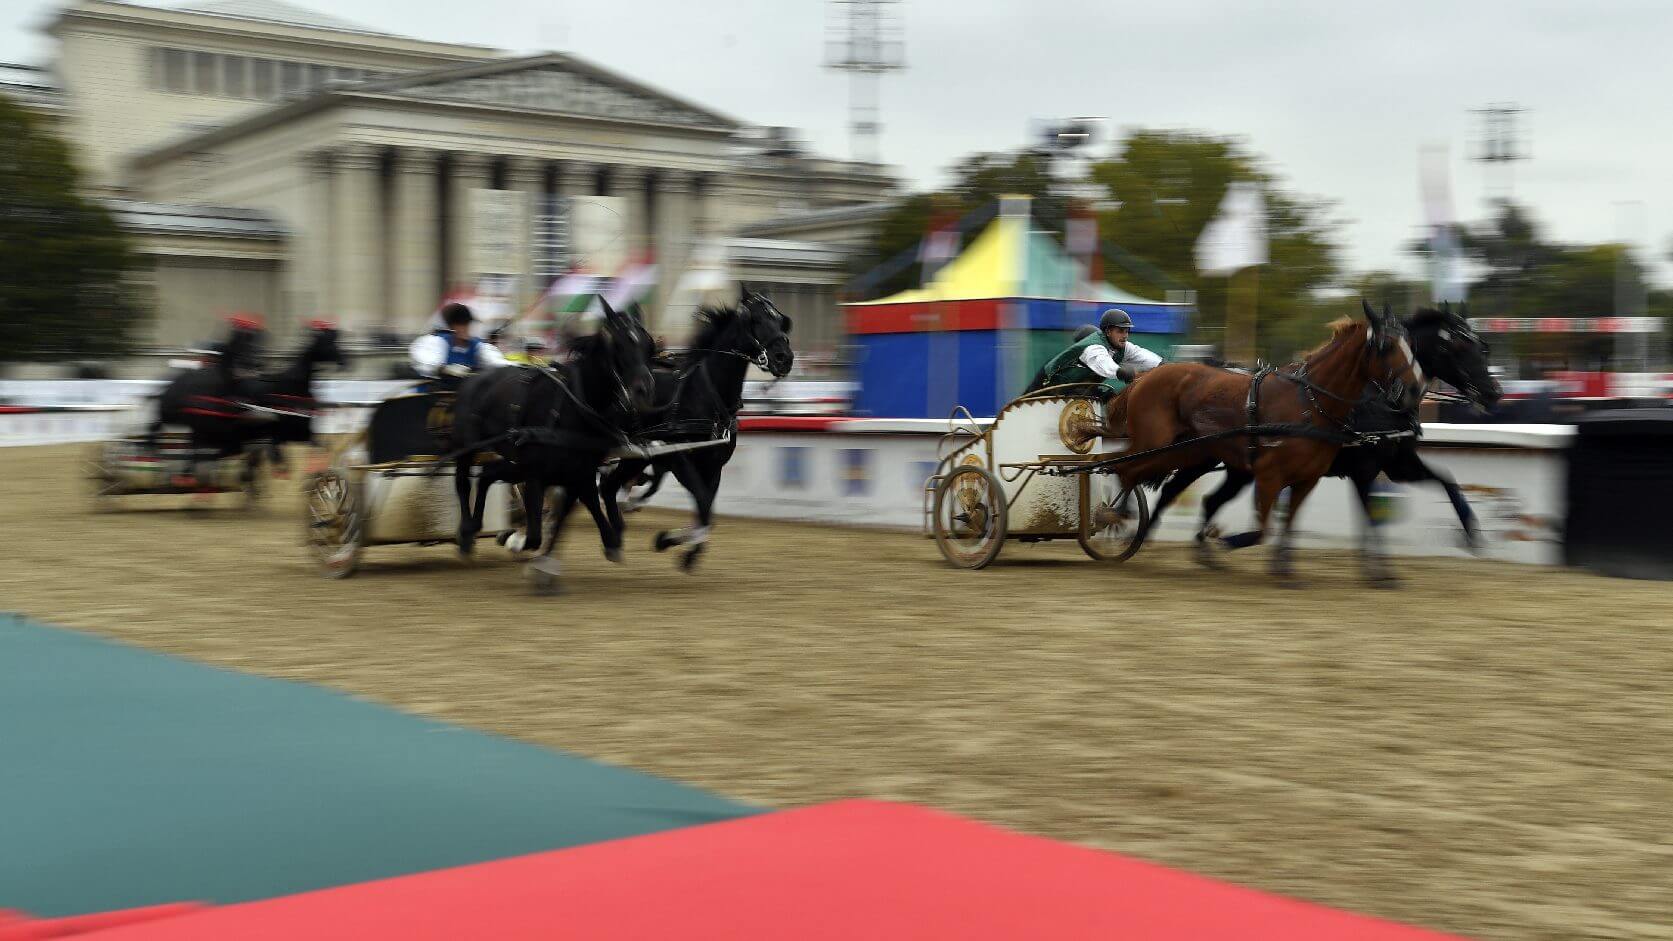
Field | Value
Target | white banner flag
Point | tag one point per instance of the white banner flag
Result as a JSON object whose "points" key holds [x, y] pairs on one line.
{"points": [[1446, 277], [1236, 239]]}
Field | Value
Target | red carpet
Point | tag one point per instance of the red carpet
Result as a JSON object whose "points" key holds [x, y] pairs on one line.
{"points": [[853, 869]]}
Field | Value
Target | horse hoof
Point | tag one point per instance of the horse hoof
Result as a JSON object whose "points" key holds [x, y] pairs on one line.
{"points": [[467, 545], [1383, 582], [1207, 558], [503, 537], [688, 562], [543, 574], [613, 553], [1473, 541], [662, 542]]}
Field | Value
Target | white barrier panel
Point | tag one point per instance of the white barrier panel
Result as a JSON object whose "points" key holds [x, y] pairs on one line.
{"points": [[872, 472], [63, 427], [73, 425], [876, 478]]}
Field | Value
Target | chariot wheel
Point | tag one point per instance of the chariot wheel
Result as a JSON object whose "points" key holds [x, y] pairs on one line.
{"points": [[1112, 519], [336, 523], [102, 483], [970, 517]]}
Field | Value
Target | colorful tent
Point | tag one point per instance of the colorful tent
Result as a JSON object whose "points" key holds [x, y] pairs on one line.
{"points": [[980, 329]]}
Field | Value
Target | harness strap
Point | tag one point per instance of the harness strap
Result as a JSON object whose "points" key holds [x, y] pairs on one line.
{"points": [[1252, 413]]}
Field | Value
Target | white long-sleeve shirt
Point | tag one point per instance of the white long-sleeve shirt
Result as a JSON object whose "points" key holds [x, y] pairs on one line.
{"points": [[429, 353], [1098, 359]]}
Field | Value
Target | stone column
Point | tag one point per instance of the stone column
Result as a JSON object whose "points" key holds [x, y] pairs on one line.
{"points": [[467, 172], [569, 180], [357, 249], [416, 240], [315, 278], [672, 242], [527, 176], [702, 213], [629, 184]]}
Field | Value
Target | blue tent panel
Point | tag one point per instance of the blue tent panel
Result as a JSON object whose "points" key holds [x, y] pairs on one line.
{"points": [[1047, 314], [912, 375]]}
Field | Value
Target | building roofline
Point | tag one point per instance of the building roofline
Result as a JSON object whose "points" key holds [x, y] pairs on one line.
{"points": [[395, 84], [862, 212], [119, 11], [188, 219]]}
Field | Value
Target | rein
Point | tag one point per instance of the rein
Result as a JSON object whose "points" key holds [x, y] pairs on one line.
{"points": [[1311, 390]]}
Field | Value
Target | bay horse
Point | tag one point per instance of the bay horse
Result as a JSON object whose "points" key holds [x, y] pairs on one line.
{"points": [[700, 397], [1177, 402], [1447, 349], [551, 427], [222, 420]]}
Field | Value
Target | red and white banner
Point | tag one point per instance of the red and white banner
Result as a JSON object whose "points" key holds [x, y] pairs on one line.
{"points": [[1567, 324]]}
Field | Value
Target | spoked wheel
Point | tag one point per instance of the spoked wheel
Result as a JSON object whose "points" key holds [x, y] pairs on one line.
{"points": [[336, 523], [1112, 519], [970, 517], [102, 484]]}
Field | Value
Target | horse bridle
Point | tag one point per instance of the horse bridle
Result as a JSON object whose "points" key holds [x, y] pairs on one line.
{"points": [[759, 358], [1390, 393]]}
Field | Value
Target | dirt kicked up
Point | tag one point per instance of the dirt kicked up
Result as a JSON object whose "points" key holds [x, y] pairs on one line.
{"points": [[1486, 752]]}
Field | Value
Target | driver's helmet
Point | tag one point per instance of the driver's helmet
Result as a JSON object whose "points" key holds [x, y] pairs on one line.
{"points": [[1114, 317]]}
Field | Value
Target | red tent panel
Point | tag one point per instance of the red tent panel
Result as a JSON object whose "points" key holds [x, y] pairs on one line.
{"points": [[853, 869]]}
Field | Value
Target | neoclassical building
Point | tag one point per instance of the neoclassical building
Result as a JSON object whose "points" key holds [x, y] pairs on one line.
{"points": [[268, 157]]}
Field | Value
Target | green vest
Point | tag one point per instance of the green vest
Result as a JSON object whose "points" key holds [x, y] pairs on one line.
{"points": [[1067, 367]]}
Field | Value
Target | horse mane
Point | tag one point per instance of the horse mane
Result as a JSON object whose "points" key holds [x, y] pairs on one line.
{"points": [[1338, 329], [1429, 316], [712, 321]]}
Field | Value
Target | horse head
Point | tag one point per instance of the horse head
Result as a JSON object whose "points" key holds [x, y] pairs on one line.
{"points": [[1393, 365], [768, 328], [1450, 350], [625, 350]]}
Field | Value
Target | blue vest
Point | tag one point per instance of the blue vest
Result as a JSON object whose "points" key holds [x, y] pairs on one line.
{"points": [[457, 357]]}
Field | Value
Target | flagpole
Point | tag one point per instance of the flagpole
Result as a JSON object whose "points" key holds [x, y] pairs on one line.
{"points": [[1240, 322]]}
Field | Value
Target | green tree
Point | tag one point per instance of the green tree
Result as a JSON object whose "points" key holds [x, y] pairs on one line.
{"points": [[1525, 274], [62, 288], [1167, 186]]}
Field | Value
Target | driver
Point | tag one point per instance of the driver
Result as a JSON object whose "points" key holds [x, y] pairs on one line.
{"points": [[238, 359], [1104, 356], [450, 354]]}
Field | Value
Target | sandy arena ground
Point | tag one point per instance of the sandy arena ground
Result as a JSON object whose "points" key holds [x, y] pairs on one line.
{"points": [[1486, 752]]}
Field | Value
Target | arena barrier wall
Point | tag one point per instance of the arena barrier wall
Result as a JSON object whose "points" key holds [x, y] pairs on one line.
{"points": [[871, 472]]}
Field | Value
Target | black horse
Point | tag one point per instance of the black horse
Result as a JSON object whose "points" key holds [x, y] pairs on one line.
{"points": [[552, 428], [1446, 348], [701, 394], [228, 416]]}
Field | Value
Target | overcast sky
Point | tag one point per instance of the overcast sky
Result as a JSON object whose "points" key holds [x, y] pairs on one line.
{"points": [[1339, 97]]}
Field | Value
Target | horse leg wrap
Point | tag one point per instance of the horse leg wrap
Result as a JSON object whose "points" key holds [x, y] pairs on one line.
{"points": [[695, 536], [515, 541], [545, 565]]}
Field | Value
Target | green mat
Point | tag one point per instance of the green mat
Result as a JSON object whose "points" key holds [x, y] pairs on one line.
{"points": [[131, 778]]}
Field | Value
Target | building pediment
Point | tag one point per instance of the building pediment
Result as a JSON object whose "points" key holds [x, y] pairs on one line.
{"points": [[554, 83]]}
